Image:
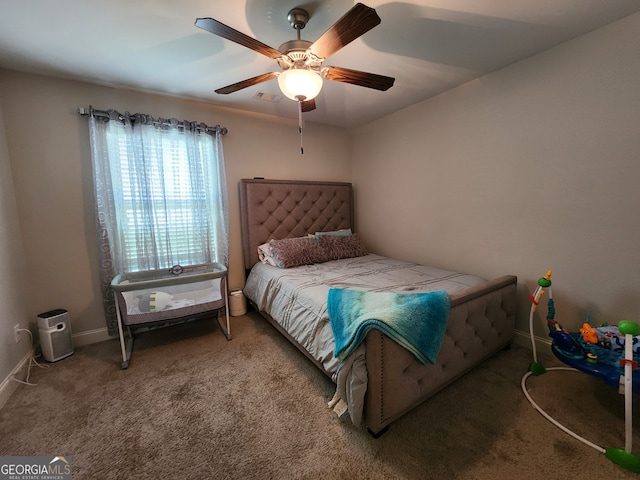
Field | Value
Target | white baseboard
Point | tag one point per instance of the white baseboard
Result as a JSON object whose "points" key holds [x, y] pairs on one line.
{"points": [[8, 386], [91, 336], [523, 339]]}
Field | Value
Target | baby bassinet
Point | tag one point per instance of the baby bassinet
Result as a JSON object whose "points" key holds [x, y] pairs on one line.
{"points": [[156, 298]]}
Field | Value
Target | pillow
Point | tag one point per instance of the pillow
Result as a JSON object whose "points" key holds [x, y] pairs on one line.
{"points": [[266, 255], [336, 247], [344, 232], [293, 252]]}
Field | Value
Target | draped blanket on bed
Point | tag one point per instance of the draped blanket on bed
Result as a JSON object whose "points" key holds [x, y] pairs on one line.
{"points": [[417, 321]]}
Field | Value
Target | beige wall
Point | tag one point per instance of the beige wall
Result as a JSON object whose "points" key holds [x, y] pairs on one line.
{"points": [[48, 148], [14, 285], [535, 166]]}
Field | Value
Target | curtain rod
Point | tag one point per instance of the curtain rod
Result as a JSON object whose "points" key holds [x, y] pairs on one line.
{"points": [[105, 114]]}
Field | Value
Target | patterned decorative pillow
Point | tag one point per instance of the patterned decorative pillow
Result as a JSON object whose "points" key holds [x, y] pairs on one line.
{"points": [[293, 252], [336, 247]]}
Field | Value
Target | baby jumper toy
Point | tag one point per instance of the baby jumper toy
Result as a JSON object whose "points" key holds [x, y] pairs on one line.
{"points": [[610, 353]]}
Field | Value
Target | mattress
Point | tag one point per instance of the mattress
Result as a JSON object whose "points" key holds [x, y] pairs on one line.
{"points": [[296, 298]]}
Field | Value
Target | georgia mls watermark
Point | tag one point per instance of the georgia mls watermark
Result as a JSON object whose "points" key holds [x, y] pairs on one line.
{"points": [[35, 468]]}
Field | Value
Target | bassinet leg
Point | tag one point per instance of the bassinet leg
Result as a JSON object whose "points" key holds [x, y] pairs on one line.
{"points": [[127, 354], [224, 326], [226, 329], [126, 351]]}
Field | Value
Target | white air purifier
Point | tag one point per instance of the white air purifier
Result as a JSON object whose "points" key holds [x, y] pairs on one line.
{"points": [[54, 328]]}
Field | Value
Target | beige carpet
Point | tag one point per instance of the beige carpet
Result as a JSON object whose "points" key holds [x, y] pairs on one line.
{"points": [[195, 406]]}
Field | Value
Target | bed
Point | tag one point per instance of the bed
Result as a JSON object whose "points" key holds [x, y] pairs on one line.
{"points": [[380, 380]]}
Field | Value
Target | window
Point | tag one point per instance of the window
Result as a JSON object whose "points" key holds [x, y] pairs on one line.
{"points": [[173, 204]]}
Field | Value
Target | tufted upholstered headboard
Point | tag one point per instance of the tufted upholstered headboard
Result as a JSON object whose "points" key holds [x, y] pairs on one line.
{"points": [[276, 209]]}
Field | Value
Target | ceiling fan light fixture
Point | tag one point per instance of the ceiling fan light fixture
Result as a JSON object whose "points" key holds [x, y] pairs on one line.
{"points": [[300, 83]]}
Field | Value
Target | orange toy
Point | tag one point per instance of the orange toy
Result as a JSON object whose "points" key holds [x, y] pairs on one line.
{"points": [[589, 334]]}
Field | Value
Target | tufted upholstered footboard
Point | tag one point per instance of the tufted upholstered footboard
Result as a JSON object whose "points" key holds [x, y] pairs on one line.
{"points": [[481, 323]]}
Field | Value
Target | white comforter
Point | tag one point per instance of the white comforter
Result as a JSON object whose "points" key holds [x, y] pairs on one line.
{"points": [[297, 299]]}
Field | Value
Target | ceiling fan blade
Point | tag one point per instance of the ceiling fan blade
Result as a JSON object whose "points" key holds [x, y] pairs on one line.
{"points": [[249, 82], [357, 21], [308, 105], [222, 30], [355, 77]]}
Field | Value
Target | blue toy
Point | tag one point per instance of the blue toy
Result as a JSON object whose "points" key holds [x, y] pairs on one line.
{"points": [[610, 353]]}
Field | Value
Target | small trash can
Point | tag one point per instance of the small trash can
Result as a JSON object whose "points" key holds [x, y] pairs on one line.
{"points": [[54, 329], [237, 303]]}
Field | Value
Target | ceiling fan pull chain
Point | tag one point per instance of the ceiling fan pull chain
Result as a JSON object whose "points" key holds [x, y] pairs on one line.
{"points": [[300, 124]]}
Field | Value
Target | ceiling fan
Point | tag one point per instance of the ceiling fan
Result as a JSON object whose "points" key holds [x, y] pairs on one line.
{"points": [[302, 61]]}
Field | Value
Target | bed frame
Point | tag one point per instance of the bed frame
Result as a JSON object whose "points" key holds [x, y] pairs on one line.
{"points": [[481, 321]]}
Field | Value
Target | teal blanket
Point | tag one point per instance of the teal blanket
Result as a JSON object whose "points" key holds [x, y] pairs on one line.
{"points": [[417, 321]]}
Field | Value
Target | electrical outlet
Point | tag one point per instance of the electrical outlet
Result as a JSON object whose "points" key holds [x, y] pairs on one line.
{"points": [[16, 332]]}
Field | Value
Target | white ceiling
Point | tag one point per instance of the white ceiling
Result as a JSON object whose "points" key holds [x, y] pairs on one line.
{"points": [[429, 46]]}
